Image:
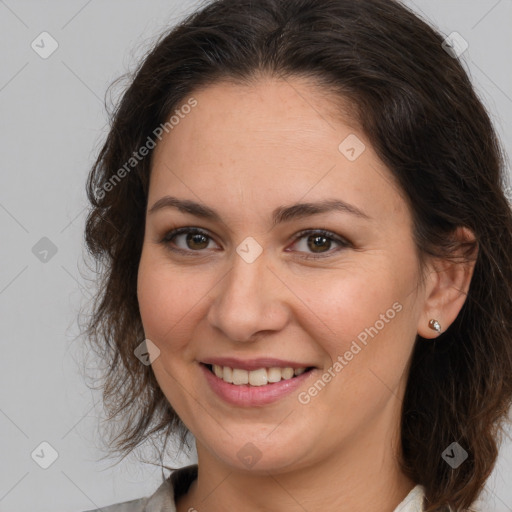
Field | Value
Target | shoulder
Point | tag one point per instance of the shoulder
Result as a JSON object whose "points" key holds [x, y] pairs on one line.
{"points": [[163, 499], [137, 505]]}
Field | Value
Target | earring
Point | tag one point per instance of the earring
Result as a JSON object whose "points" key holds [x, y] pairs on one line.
{"points": [[435, 325]]}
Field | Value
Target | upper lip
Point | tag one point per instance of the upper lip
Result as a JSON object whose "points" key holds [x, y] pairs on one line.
{"points": [[254, 364]]}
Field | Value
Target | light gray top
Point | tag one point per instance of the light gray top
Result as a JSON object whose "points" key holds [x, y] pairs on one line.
{"points": [[177, 484], [163, 499]]}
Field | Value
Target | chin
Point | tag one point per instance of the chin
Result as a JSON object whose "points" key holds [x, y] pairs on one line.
{"points": [[259, 454]]}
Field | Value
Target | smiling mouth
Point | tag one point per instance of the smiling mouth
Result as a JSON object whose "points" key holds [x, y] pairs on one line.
{"points": [[258, 377]]}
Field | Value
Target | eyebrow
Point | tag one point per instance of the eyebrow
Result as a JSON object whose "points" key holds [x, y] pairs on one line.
{"points": [[279, 215]]}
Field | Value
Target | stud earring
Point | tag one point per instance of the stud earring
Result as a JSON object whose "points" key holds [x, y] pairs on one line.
{"points": [[435, 325]]}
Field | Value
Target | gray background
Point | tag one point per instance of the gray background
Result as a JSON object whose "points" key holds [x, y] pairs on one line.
{"points": [[53, 123]]}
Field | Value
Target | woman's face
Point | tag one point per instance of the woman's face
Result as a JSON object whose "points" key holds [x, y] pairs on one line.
{"points": [[261, 288]]}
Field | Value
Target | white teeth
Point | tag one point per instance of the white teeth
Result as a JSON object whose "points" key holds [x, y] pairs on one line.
{"points": [[259, 377], [240, 376], [287, 373], [227, 374], [274, 374]]}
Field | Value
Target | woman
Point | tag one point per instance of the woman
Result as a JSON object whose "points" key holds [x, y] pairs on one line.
{"points": [[307, 255]]}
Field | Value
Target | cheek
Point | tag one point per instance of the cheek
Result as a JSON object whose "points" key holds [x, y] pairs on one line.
{"points": [[368, 344], [166, 307], [343, 305], [166, 299], [365, 316]]}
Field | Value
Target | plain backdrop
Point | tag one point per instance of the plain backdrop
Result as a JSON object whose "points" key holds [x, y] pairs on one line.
{"points": [[53, 122]]}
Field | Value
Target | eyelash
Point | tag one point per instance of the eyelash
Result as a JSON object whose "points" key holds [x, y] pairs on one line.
{"points": [[318, 232]]}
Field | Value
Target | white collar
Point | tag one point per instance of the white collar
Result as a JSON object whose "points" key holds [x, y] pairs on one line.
{"points": [[413, 502]]}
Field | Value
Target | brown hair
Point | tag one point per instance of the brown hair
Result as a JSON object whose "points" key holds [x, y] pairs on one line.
{"points": [[417, 106]]}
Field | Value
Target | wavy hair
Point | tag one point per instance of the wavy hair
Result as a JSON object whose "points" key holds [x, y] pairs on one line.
{"points": [[416, 104]]}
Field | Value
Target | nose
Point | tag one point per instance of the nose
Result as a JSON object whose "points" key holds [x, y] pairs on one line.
{"points": [[249, 301]]}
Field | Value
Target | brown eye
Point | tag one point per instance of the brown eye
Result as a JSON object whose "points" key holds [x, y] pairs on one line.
{"points": [[319, 242], [196, 241], [187, 240]]}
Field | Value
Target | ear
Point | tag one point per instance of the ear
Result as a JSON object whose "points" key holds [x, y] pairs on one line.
{"points": [[447, 285]]}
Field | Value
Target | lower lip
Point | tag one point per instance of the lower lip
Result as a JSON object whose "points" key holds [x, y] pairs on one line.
{"points": [[251, 396]]}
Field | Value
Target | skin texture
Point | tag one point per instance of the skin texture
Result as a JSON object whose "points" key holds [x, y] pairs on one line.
{"points": [[244, 151]]}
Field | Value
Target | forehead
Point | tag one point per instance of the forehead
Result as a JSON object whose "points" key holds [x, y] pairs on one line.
{"points": [[281, 137], [285, 109]]}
